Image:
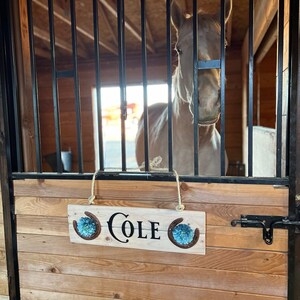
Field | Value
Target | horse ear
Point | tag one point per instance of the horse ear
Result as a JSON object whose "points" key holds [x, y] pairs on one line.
{"points": [[177, 13], [228, 10]]}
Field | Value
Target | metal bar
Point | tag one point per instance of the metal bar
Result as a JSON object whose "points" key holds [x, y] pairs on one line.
{"points": [[65, 74], [209, 64], [122, 78], [36, 116], [7, 85], [16, 141], [279, 87], [98, 86], [195, 94], [145, 83], [155, 177], [294, 151], [169, 81], [222, 91], [250, 92], [54, 87], [76, 86], [12, 72]]}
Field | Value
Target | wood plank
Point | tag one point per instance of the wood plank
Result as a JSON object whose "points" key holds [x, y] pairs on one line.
{"points": [[168, 275], [216, 258], [3, 284], [139, 228], [217, 236], [216, 214], [239, 238], [27, 294], [261, 195], [25, 87], [2, 239], [264, 13], [2, 260], [126, 289]]}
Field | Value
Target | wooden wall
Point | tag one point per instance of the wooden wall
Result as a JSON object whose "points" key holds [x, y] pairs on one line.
{"points": [[266, 89], [109, 76], [238, 264], [3, 270], [265, 12]]}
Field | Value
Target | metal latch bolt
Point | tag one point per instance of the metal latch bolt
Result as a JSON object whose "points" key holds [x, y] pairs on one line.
{"points": [[267, 223]]}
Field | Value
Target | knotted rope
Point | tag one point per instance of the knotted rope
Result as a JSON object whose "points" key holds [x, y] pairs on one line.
{"points": [[154, 166]]}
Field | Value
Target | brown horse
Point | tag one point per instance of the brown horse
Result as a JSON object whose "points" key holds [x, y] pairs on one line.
{"points": [[208, 99]]}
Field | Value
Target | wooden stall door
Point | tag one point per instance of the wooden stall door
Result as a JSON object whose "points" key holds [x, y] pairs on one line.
{"points": [[237, 265]]}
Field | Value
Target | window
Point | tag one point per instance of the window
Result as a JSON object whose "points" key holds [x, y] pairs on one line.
{"points": [[110, 100]]}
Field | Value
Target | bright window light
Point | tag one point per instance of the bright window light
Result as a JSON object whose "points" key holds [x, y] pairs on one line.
{"points": [[110, 103]]}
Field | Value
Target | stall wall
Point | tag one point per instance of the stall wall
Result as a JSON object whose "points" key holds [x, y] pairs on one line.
{"points": [[237, 265], [109, 77], [3, 270]]}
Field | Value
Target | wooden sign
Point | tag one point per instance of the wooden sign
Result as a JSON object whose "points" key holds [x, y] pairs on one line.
{"points": [[138, 228]]}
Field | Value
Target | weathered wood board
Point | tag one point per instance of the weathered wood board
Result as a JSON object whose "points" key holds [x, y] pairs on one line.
{"points": [[237, 263], [138, 228]]}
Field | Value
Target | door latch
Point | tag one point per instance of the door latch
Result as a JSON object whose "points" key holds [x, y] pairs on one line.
{"points": [[267, 223]]}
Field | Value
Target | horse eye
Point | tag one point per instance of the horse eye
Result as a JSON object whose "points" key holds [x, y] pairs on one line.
{"points": [[179, 50]]}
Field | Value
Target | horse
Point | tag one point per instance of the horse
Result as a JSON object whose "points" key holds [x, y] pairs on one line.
{"points": [[183, 103]]}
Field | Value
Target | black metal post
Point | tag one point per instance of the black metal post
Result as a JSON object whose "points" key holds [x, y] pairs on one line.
{"points": [[294, 152], [145, 94], [250, 92], [36, 116], [6, 90], [222, 91], [16, 142], [76, 86], [169, 81], [98, 86], [279, 88], [122, 77], [195, 94], [54, 87]]}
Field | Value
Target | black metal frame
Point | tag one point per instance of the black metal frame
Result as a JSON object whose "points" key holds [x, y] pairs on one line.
{"points": [[9, 154], [294, 151], [198, 65], [7, 128]]}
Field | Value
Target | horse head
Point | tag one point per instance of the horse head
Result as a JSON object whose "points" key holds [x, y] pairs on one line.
{"points": [[208, 49]]}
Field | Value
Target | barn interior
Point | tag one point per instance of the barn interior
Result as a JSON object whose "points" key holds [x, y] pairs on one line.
{"points": [[265, 70], [37, 258]]}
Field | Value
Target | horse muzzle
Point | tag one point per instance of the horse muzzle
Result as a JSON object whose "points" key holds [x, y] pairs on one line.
{"points": [[208, 122]]}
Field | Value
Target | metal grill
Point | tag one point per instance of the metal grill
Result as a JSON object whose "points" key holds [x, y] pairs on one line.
{"points": [[198, 65]]}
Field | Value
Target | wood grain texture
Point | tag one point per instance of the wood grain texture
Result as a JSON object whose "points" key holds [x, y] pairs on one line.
{"points": [[139, 228], [141, 272], [2, 240], [116, 289], [265, 262], [217, 236], [2, 260], [3, 283], [237, 264], [216, 214], [260, 195], [27, 294]]}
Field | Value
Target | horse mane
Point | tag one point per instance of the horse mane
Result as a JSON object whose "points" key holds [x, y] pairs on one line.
{"points": [[209, 24]]}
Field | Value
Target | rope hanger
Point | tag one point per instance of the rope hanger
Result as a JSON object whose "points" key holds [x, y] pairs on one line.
{"points": [[154, 166]]}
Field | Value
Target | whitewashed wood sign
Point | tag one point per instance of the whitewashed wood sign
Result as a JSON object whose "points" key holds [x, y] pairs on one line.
{"points": [[138, 228]]}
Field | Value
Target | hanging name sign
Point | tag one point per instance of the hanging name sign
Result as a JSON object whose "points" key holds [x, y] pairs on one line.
{"points": [[138, 228]]}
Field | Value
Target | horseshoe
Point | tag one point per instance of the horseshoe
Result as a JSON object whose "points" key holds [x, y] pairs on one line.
{"points": [[98, 227], [171, 238]]}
